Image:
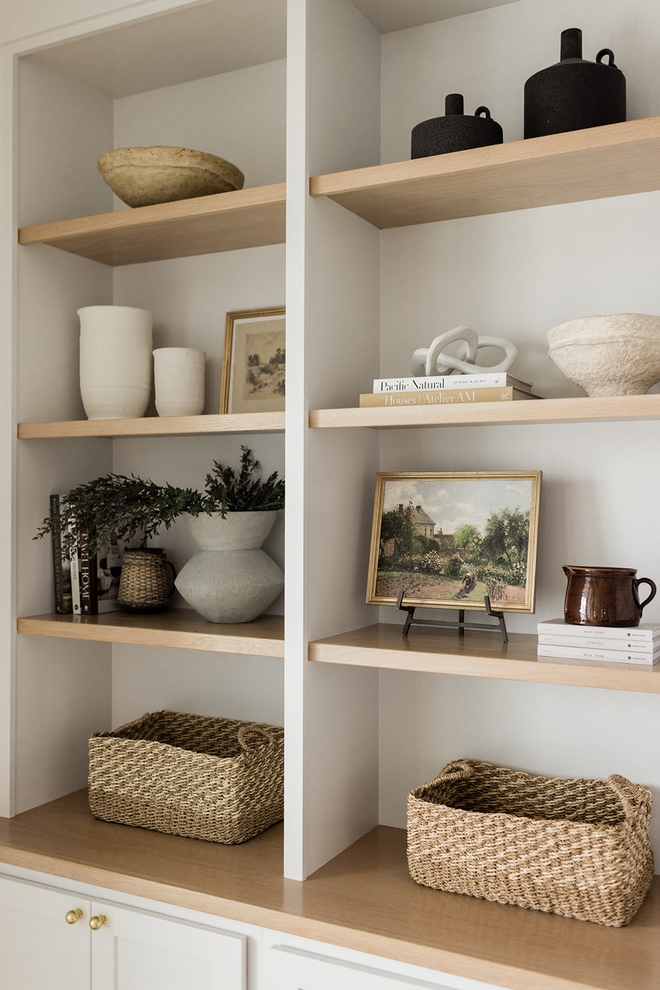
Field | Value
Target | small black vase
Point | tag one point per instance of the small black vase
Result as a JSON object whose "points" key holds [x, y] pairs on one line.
{"points": [[573, 94], [455, 131]]}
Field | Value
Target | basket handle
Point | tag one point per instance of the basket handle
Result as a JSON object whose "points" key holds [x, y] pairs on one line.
{"points": [[250, 736], [456, 770], [633, 797]]}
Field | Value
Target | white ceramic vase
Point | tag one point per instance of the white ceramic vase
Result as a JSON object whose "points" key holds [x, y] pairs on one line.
{"points": [[115, 361], [179, 381], [230, 579], [609, 355]]}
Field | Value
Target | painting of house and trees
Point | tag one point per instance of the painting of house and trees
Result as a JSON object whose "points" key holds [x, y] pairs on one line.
{"points": [[447, 540]]}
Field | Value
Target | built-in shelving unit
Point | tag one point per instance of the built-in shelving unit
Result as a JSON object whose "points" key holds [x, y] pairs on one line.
{"points": [[224, 222], [364, 898], [181, 628], [573, 410], [156, 426], [563, 168], [352, 295], [476, 654]]}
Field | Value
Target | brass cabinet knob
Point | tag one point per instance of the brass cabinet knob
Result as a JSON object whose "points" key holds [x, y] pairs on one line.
{"points": [[73, 916], [97, 921]]}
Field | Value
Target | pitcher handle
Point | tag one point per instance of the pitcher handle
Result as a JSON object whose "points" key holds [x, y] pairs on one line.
{"points": [[651, 584]]}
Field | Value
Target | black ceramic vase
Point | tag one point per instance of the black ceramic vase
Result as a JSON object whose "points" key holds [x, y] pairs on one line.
{"points": [[573, 94], [456, 131]]}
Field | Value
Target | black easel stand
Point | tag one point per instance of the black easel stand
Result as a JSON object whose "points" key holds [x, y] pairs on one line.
{"points": [[461, 625]]}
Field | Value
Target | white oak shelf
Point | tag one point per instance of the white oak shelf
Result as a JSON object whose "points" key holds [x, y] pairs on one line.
{"points": [[364, 899], [573, 410], [223, 222], [156, 426], [595, 163], [477, 654], [181, 628]]}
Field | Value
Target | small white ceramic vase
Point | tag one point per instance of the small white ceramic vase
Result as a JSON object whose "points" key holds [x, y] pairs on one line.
{"points": [[115, 361], [179, 381], [231, 579], [609, 355]]}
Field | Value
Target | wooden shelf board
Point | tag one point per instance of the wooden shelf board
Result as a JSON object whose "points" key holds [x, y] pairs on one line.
{"points": [[364, 899], [477, 654], [223, 222], [150, 426], [599, 162], [573, 410], [181, 628]]}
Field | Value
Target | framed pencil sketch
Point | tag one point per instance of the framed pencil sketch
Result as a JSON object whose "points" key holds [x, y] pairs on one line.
{"points": [[254, 361], [448, 539]]}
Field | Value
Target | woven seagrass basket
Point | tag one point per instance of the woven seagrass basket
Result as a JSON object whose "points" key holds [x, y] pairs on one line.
{"points": [[205, 778], [147, 581], [579, 848]]}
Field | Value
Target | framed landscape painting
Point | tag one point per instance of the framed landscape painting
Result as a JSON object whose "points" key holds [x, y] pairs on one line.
{"points": [[254, 362], [448, 539]]}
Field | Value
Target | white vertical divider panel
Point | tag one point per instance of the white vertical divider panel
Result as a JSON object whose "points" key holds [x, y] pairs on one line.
{"points": [[333, 349], [7, 423]]}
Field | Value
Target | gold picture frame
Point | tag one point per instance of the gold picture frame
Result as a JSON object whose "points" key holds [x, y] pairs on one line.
{"points": [[446, 539], [253, 380]]}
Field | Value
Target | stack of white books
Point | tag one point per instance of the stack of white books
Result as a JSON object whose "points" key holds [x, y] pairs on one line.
{"points": [[629, 644]]}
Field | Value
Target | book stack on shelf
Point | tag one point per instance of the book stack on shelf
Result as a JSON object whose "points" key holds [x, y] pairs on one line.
{"points": [[608, 644], [438, 389], [83, 585]]}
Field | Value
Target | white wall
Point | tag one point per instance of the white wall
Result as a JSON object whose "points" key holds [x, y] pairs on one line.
{"points": [[238, 115], [146, 679], [516, 275]]}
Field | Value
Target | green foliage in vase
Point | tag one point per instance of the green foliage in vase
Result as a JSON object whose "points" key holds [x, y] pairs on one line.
{"points": [[116, 507], [225, 491]]}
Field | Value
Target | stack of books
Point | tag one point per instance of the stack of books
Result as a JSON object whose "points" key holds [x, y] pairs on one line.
{"points": [[438, 389], [83, 585], [629, 644]]}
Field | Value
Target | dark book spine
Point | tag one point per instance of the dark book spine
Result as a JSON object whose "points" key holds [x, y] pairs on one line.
{"points": [[57, 553], [87, 576]]}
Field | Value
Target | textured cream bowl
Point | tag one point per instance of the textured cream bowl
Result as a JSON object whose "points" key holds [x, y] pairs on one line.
{"points": [[162, 174], [609, 355]]}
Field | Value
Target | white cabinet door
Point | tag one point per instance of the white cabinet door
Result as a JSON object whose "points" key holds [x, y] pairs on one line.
{"points": [[133, 950], [291, 969], [38, 949]]}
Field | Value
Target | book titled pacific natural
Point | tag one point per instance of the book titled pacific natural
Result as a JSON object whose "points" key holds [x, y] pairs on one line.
{"points": [[436, 397], [497, 379]]}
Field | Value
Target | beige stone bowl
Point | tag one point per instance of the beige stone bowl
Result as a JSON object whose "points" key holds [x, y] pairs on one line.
{"points": [[162, 174], [609, 355]]}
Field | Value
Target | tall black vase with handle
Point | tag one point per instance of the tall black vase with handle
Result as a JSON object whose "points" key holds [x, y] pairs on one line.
{"points": [[573, 94]]}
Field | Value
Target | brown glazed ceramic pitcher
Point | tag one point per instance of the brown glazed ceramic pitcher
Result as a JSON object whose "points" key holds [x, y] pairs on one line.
{"points": [[604, 596]]}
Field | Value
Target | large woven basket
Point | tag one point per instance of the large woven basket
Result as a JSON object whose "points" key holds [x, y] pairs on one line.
{"points": [[579, 848], [206, 778]]}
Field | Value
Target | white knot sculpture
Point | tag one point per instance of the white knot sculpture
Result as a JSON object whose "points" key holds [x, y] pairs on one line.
{"points": [[433, 360]]}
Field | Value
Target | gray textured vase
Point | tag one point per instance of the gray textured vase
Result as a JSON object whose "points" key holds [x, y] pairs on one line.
{"points": [[231, 579]]}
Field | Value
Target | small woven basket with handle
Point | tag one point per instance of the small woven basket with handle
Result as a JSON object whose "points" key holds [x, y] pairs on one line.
{"points": [[205, 778], [579, 848]]}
